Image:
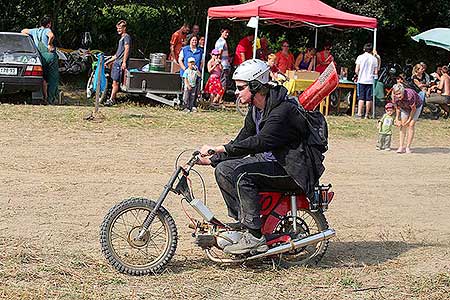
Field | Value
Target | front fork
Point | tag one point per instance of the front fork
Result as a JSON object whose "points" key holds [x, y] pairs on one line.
{"points": [[151, 216]]}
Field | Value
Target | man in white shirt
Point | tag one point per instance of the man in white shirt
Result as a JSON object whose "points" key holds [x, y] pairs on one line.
{"points": [[222, 46], [367, 70]]}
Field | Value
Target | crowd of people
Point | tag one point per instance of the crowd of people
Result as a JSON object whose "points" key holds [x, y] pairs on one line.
{"points": [[409, 96], [187, 51], [221, 60]]}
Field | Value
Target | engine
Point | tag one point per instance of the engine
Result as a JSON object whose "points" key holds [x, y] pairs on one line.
{"points": [[220, 240]]}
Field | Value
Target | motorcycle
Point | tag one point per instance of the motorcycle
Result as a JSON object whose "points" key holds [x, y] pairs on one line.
{"points": [[90, 92], [138, 236], [74, 61]]}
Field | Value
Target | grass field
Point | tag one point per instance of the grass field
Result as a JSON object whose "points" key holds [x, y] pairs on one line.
{"points": [[60, 174]]}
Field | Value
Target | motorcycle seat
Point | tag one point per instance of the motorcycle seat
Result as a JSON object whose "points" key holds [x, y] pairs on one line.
{"points": [[297, 191]]}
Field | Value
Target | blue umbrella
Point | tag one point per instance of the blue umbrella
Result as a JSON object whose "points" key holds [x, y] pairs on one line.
{"points": [[438, 37]]}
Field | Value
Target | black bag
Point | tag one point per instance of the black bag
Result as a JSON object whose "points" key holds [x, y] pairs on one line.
{"points": [[318, 129]]}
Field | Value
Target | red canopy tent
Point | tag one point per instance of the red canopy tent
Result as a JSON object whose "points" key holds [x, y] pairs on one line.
{"points": [[291, 14]]}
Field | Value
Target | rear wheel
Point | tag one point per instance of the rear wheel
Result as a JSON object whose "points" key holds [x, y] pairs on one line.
{"points": [[434, 109], [308, 223], [148, 255]]}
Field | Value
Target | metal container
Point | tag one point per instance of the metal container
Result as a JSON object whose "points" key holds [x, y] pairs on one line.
{"points": [[157, 62]]}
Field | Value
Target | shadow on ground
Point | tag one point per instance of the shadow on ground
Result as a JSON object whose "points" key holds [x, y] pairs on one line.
{"points": [[365, 253], [340, 254], [428, 150]]}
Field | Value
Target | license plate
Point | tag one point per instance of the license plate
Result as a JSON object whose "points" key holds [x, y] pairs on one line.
{"points": [[8, 71]]}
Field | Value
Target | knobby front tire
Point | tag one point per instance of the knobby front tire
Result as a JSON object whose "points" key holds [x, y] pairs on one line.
{"points": [[138, 257]]}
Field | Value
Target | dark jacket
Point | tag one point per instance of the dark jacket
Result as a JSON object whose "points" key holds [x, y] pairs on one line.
{"points": [[283, 131]]}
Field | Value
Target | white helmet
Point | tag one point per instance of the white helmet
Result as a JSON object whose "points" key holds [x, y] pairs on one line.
{"points": [[253, 70]]}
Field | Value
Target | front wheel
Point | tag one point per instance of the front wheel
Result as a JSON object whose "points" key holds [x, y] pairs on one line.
{"points": [[138, 257], [308, 223]]}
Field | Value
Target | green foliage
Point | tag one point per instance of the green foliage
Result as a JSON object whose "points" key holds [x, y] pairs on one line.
{"points": [[151, 24], [275, 41], [411, 31]]}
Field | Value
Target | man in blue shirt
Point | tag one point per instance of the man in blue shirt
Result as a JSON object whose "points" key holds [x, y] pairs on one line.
{"points": [[43, 38]]}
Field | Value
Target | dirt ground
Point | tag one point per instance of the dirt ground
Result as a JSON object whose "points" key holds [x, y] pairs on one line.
{"points": [[59, 175]]}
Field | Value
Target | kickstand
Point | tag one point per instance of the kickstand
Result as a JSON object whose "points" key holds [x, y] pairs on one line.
{"points": [[274, 265]]}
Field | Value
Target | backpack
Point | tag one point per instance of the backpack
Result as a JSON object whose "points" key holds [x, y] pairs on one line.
{"points": [[317, 127]]}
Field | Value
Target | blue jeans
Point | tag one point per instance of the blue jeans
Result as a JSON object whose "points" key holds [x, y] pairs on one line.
{"points": [[240, 181], [422, 95]]}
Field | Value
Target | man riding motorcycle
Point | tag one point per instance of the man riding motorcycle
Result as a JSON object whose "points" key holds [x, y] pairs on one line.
{"points": [[269, 153]]}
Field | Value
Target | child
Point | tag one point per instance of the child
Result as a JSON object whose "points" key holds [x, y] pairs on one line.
{"points": [[385, 128], [190, 77], [275, 73]]}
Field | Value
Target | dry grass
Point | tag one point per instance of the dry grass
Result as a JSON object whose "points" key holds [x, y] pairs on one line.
{"points": [[49, 225]]}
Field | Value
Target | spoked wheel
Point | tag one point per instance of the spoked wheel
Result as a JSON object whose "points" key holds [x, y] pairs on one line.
{"points": [[120, 228], [434, 109], [241, 108], [334, 99], [308, 223]]}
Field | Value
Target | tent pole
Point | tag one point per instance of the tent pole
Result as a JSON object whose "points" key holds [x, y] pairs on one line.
{"points": [[374, 39], [204, 51], [256, 36], [315, 38], [375, 81], [315, 46]]}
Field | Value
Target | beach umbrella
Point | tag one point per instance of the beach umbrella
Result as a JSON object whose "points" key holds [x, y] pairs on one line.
{"points": [[438, 37]]}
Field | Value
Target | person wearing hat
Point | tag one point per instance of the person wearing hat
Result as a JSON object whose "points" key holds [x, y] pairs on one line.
{"points": [[214, 86], [384, 126], [190, 76], [191, 51]]}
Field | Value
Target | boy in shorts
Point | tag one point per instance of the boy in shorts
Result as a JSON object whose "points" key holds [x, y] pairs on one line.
{"points": [[190, 76]]}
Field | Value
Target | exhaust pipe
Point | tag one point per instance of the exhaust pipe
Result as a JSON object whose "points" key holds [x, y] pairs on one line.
{"points": [[312, 239]]}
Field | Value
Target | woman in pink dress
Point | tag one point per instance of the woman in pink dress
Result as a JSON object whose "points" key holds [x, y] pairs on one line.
{"points": [[214, 86]]}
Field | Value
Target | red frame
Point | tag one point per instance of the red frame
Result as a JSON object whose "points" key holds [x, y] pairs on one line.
{"points": [[275, 204]]}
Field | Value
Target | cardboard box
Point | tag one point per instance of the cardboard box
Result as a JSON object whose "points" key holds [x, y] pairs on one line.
{"points": [[303, 75]]}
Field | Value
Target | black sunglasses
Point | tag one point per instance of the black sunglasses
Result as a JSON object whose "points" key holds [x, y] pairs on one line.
{"points": [[240, 88]]}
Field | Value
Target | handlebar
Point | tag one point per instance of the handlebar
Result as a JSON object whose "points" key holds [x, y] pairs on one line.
{"points": [[196, 157]]}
